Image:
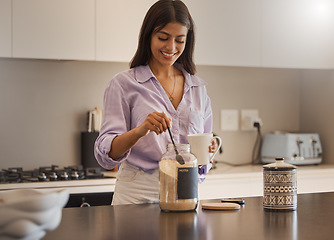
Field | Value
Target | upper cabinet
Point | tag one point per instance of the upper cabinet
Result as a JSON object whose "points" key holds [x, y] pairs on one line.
{"points": [[265, 33], [252, 33], [48, 29], [298, 33], [5, 28], [228, 32], [117, 28], [229, 35]]}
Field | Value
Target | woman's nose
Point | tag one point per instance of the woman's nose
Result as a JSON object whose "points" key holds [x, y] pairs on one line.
{"points": [[170, 45]]}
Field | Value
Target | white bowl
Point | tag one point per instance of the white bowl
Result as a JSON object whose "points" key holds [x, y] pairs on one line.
{"points": [[28, 214]]}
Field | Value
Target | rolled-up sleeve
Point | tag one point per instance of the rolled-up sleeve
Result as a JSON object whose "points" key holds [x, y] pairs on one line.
{"points": [[116, 115]]}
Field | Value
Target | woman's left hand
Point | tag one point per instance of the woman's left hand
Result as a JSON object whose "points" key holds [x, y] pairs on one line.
{"points": [[213, 147], [204, 169]]}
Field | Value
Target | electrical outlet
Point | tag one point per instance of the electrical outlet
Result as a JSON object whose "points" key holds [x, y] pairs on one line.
{"points": [[229, 120], [248, 117]]}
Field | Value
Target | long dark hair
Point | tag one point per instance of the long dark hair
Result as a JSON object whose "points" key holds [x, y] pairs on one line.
{"points": [[158, 16]]}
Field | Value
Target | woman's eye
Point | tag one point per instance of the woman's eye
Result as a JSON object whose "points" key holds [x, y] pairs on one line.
{"points": [[179, 41], [163, 39]]}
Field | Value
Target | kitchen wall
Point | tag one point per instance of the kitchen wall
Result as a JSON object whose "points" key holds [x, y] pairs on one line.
{"points": [[43, 108], [274, 92], [44, 103], [317, 112]]}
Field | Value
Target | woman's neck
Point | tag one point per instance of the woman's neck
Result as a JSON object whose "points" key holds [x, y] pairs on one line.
{"points": [[162, 71]]}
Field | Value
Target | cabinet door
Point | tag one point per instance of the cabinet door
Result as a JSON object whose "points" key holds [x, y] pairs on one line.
{"points": [[118, 24], [227, 31], [5, 28], [298, 34], [62, 29]]}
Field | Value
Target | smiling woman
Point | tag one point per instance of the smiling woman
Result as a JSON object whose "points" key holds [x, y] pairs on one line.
{"points": [[160, 91], [157, 17]]}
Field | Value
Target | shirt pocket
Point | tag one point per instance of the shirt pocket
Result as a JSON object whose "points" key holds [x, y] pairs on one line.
{"points": [[196, 122]]}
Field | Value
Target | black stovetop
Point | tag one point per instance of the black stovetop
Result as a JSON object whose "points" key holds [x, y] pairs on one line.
{"points": [[50, 173]]}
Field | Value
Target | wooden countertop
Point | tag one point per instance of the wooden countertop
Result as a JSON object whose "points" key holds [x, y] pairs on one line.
{"points": [[313, 219]]}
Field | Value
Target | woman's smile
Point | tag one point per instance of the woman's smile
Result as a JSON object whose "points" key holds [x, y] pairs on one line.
{"points": [[168, 55]]}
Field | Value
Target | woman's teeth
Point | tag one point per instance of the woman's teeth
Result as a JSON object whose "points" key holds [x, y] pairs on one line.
{"points": [[168, 54]]}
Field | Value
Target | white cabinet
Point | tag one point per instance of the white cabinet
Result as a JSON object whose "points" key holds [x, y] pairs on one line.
{"points": [[48, 29], [247, 181], [5, 28], [298, 33], [264, 33], [118, 24], [229, 35], [227, 32], [254, 33]]}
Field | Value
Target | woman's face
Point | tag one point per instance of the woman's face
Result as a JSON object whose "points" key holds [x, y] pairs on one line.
{"points": [[168, 44]]}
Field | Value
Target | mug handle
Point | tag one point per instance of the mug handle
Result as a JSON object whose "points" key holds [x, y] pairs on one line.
{"points": [[219, 145]]}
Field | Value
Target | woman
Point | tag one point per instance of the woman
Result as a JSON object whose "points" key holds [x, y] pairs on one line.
{"points": [[159, 91]]}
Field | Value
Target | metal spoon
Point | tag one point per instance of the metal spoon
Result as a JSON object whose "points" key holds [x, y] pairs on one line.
{"points": [[179, 158]]}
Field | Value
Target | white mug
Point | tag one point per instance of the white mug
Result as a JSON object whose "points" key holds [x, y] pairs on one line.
{"points": [[199, 146]]}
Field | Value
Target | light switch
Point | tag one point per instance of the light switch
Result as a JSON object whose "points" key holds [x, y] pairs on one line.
{"points": [[229, 120]]}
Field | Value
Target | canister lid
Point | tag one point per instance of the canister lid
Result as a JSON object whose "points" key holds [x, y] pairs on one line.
{"points": [[279, 165]]}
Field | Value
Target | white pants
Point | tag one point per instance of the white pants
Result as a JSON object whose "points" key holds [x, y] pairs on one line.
{"points": [[134, 186]]}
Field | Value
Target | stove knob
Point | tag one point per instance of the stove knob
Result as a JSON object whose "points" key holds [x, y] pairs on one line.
{"points": [[75, 175], [64, 176], [53, 177], [42, 177]]}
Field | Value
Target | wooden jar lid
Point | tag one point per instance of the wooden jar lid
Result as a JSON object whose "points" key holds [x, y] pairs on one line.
{"points": [[221, 206]]}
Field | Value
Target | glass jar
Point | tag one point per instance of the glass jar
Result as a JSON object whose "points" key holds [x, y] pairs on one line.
{"points": [[178, 182]]}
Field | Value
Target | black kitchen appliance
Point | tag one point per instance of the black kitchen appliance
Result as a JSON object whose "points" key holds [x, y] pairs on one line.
{"points": [[87, 149]]}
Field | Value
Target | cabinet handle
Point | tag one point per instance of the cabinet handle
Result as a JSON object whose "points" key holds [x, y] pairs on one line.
{"points": [[85, 204]]}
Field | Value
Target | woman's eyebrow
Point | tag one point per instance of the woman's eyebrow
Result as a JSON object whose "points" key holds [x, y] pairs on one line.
{"points": [[182, 35]]}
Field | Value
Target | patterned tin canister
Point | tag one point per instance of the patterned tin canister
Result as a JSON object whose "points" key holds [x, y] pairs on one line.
{"points": [[280, 186]]}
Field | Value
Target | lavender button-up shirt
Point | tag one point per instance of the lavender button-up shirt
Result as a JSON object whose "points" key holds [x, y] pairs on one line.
{"points": [[130, 96]]}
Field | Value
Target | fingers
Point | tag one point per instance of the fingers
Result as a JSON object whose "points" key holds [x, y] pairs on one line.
{"points": [[213, 146], [158, 122]]}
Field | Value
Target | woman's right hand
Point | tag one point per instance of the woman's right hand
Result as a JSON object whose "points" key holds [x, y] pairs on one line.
{"points": [[154, 122]]}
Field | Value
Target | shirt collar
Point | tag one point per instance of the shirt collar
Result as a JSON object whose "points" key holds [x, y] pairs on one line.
{"points": [[143, 73]]}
